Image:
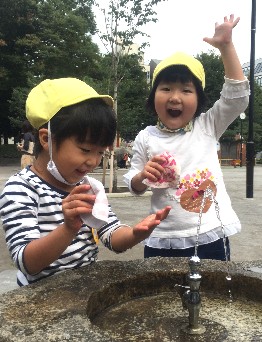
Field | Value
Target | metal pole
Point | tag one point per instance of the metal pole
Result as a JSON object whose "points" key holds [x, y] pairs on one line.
{"points": [[250, 158], [241, 142]]}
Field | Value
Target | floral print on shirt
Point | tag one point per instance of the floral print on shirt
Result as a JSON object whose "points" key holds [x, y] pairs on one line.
{"points": [[193, 181]]}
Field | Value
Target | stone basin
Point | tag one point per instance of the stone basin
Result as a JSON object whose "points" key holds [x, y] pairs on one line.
{"points": [[135, 301]]}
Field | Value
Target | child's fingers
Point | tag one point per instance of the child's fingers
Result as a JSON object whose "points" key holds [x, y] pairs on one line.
{"points": [[153, 220], [158, 159], [235, 22], [80, 197], [163, 213], [153, 170], [81, 188], [78, 204], [82, 193]]}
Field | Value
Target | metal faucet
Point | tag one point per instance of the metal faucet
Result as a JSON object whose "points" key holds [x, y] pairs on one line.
{"points": [[191, 299]]}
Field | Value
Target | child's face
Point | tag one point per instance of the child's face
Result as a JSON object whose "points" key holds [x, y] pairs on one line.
{"points": [[175, 103], [74, 160]]}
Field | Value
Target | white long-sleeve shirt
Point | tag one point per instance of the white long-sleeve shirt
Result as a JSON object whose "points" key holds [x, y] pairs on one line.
{"points": [[196, 153]]}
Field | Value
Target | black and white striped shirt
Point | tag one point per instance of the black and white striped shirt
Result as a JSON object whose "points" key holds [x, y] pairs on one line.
{"points": [[31, 208]]}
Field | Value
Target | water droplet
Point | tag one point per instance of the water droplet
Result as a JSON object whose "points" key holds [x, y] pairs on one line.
{"points": [[230, 300]]}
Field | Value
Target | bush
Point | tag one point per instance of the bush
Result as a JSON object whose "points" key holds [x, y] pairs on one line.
{"points": [[9, 151]]}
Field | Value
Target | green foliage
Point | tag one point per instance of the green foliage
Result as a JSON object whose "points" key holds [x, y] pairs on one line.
{"points": [[64, 47], [15, 22], [132, 95], [257, 121], [42, 39], [9, 152], [214, 71]]}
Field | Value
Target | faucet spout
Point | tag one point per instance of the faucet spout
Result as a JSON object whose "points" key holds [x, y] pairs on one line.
{"points": [[191, 299]]}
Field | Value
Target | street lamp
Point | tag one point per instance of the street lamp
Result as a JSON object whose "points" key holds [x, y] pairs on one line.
{"points": [[242, 117]]}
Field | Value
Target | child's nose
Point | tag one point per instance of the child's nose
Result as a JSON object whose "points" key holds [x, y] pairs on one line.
{"points": [[174, 97], [93, 161]]}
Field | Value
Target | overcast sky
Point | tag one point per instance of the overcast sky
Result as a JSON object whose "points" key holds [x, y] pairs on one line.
{"points": [[182, 25]]}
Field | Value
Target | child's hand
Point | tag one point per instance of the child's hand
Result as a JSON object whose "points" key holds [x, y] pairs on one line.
{"points": [[145, 227], [76, 203], [153, 169], [223, 33]]}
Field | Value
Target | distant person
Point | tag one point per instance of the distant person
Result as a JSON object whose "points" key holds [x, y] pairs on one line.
{"points": [[128, 161], [50, 209], [26, 145], [125, 160], [178, 158]]}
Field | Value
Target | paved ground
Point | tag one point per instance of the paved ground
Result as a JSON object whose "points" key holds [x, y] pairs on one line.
{"points": [[244, 247]]}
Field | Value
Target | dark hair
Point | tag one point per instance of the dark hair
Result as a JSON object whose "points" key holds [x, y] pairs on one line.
{"points": [[177, 73], [27, 127], [92, 120]]}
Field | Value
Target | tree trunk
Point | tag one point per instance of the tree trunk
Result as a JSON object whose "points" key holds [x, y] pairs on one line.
{"points": [[105, 164], [113, 160]]}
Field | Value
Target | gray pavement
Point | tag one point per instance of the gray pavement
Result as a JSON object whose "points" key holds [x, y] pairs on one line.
{"points": [[245, 246]]}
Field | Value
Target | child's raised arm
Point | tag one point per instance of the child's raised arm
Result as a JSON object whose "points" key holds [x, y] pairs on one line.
{"points": [[222, 40]]}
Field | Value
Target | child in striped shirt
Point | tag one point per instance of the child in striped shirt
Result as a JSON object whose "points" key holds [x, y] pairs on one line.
{"points": [[49, 209]]}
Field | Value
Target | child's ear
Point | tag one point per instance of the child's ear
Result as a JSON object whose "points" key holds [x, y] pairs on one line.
{"points": [[43, 137]]}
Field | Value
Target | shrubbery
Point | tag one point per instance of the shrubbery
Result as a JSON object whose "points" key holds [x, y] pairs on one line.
{"points": [[9, 151]]}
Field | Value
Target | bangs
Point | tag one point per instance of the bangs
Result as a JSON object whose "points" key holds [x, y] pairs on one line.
{"points": [[91, 121], [176, 73]]}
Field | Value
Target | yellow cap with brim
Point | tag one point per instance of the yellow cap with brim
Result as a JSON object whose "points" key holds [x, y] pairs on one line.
{"points": [[181, 58], [48, 97]]}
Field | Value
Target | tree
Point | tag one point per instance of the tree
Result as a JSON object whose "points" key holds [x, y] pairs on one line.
{"points": [[124, 20], [62, 43], [257, 115], [132, 95], [42, 39], [214, 71], [15, 23]]}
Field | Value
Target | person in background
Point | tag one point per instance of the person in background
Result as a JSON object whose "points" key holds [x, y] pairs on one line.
{"points": [[178, 158], [26, 146], [125, 159], [52, 211]]}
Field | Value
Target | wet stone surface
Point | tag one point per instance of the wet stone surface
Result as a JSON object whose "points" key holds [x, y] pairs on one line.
{"points": [[155, 318], [138, 297]]}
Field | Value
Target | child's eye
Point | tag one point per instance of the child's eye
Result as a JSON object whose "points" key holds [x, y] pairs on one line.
{"points": [[165, 89], [188, 90], [85, 150]]}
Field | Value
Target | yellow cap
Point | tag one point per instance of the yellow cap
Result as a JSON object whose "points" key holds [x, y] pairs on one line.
{"points": [[181, 58], [48, 97]]}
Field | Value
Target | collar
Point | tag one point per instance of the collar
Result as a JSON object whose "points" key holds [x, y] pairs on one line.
{"points": [[185, 129]]}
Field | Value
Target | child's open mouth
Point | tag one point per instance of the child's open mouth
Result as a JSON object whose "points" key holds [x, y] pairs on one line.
{"points": [[174, 112]]}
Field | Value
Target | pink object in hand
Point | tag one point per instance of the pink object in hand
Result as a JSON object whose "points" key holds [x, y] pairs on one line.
{"points": [[170, 176]]}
